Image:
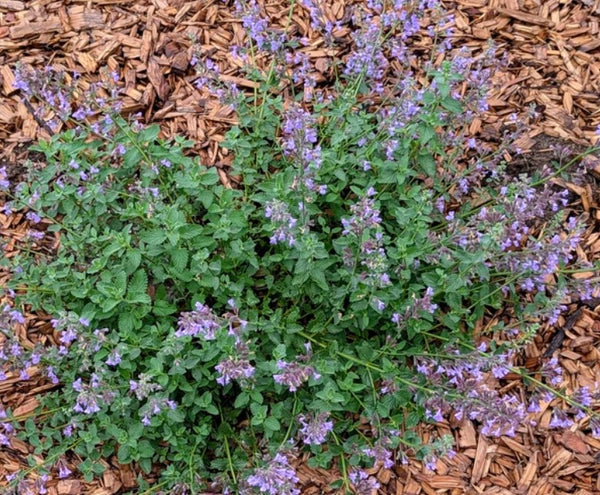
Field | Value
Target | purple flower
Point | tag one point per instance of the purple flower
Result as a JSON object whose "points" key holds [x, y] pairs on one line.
{"points": [[67, 336], [91, 396], [233, 369], [68, 430], [364, 216], [583, 397], [552, 371], [363, 483], [315, 428], [40, 484], [63, 469], [500, 370], [560, 419], [465, 393], [199, 322], [114, 358], [381, 453], [33, 217], [368, 57], [294, 374], [52, 375], [285, 223], [595, 427], [379, 304], [276, 478], [423, 304], [87, 403], [430, 462], [143, 387], [34, 234], [258, 28]]}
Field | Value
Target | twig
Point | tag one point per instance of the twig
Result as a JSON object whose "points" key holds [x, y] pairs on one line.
{"points": [[558, 338], [39, 121]]}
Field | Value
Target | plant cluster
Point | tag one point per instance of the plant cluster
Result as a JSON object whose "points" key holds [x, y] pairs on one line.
{"points": [[326, 304]]}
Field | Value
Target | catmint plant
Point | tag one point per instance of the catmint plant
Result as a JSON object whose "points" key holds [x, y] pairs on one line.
{"points": [[325, 304]]}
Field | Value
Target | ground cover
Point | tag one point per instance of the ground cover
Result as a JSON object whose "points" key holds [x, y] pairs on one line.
{"points": [[480, 474]]}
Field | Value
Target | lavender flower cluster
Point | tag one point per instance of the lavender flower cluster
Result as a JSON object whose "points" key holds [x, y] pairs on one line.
{"points": [[315, 428], [300, 144], [91, 395], [7, 430], [257, 26], [200, 322], [56, 90], [285, 224], [423, 304], [276, 478], [29, 486], [506, 230], [236, 366], [203, 322], [12, 354], [363, 483], [467, 393], [365, 219], [294, 374]]}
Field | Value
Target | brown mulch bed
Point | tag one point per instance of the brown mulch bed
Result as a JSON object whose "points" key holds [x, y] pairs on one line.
{"points": [[553, 50]]}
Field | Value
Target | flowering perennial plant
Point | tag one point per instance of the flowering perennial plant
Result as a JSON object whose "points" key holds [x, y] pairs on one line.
{"points": [[218, 331]]}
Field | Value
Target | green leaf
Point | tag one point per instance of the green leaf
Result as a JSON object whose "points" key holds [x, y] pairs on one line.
{"points": [[179, 259], [120, 283], [153, 237], [133, 259], [241, 400], [98, 468], [146, 465], [124, 454], [259, 413], [126, 322], [272, 424], [149, 134], [112, 248], [131, 159], [138, 284], [163, 308], [427, 163], [146, 449], [109, 304], [210, 177]]}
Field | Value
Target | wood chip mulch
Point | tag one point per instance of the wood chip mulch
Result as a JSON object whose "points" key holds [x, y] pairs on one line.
{"points": [[553, 50]]}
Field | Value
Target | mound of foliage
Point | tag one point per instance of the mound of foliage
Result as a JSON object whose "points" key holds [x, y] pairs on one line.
{"points": [[325, 303]]}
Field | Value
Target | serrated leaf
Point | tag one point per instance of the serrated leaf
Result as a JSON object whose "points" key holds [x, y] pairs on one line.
{"points": [[149, 134], [138, 283], [120, 283], [126, 322], [124, 454], [163, 308], [108, 305], [132, 158], [210, 177], [427, 163], [179, 258], [112, 248], [241, 400], [153, 237], [272, 424], [132, 260]]}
